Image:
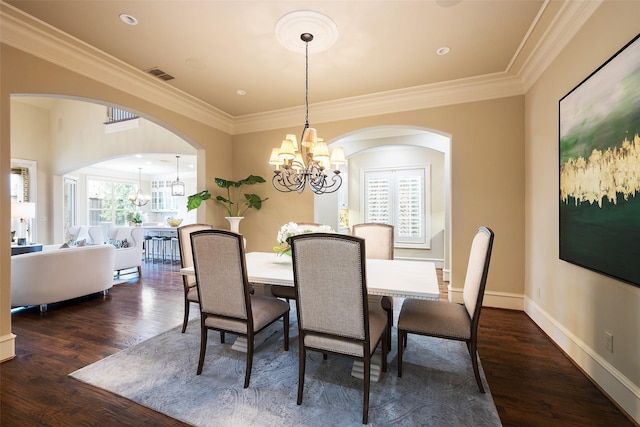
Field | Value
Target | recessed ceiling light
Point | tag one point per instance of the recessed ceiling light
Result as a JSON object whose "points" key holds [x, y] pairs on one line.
{"points": [[128, 19], [443, 50], [241, 92]]}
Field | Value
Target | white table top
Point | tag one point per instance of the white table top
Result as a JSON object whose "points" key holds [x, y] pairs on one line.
{"points": [[397, 278]]}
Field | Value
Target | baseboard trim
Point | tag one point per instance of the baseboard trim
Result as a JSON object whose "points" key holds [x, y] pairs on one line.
{"points": [[612, 382], [7, 347]]}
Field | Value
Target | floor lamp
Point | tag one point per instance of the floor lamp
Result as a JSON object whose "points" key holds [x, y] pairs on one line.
{"points": [[23, 211]]}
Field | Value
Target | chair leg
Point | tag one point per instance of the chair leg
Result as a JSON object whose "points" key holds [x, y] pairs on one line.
{"points": [[474, 362], [285, 325], [389, 323], [222, 337], [402, 336], [203, 346], [186, 314], [247, 374], [386, 344], [367, 383], [302, 357]]}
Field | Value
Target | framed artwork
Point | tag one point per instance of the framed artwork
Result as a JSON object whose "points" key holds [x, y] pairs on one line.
{"points": [[600, 169]]}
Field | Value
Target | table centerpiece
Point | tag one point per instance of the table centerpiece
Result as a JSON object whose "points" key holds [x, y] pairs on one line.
{"points": [[291, 229]]}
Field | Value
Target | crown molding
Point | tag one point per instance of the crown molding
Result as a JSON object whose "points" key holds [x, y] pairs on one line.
{"points": [[481, 88], [39, 39], [572, 16]]}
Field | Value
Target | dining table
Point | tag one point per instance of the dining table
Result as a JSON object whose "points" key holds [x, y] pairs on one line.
{"points": [[395, 278]]}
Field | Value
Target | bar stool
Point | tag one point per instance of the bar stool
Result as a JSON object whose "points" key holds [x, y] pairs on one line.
{"points": [[175, 253], [158, 245], [166, 241], [147, 247]]}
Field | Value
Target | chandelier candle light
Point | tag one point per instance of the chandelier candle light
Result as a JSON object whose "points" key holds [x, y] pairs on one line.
{"points": [[308, 163]]}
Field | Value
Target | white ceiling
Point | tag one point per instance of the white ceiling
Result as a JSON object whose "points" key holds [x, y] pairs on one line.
{"points": [[152, 165], [214, 48]]}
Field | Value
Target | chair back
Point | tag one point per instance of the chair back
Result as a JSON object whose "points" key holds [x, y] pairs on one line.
{"points": [[184, 242], [477, 271], [378, 239], [221, 275], [330, 283], [184, 246]]}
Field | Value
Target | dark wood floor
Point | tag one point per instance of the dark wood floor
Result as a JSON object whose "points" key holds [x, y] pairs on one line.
{"points": [[532, 382]]}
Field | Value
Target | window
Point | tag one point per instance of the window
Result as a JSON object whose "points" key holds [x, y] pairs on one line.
{"points": [[108, 201], [399, 197]]}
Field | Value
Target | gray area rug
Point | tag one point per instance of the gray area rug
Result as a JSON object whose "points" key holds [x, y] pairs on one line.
{"points": [[437, 387]]}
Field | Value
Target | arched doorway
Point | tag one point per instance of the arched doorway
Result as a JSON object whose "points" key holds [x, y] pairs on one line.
{"points": [[397, 146]]}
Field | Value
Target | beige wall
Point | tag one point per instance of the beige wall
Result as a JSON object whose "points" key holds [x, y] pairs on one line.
{"points": [[487, 181], [30, 140], [572, 304], [24, 74]]}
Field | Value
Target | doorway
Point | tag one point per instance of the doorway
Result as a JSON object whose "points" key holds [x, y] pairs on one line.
{"points": [[400, 146]]}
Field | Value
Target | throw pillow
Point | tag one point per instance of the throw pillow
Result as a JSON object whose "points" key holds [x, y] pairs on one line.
{"points": [[82, 242], [124, 244], [64, 246]]}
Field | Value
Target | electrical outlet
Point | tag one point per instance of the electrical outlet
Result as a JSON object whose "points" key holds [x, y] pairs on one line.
{"points": [[608, 341]]}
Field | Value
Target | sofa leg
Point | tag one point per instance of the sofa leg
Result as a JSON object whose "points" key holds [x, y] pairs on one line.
{"points": [[105, 292], [140, 270], [43, 308]]}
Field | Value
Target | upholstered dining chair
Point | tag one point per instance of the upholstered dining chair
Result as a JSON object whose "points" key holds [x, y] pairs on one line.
{"points": [[444, 319], [378, 239], [287, 292], [226, 304], [186, 260], [329, 273]]}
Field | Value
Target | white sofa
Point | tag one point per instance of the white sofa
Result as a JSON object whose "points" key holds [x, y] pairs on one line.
{"points": [[130, 256], [91, 234], [54, 275]]}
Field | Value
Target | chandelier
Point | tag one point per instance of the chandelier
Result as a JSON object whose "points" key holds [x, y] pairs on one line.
{"points": [[310, 163], [177, 186], [138, 198]]}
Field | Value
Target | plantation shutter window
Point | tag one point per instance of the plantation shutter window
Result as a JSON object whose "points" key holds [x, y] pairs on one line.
{"points": [[400, 198]]}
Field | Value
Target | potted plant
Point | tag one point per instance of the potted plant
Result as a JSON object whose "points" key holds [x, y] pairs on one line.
{"points": [[135, 218], [235, 203]]}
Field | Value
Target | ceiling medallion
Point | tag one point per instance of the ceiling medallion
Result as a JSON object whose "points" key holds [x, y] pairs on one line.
{"points": [[291, 25]]}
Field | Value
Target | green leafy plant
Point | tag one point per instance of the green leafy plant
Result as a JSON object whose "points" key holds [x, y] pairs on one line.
{"points": [[135, 217], [235, 203]]}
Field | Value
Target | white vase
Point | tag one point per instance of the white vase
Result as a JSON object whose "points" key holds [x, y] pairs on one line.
{"points": [[234, 223]]}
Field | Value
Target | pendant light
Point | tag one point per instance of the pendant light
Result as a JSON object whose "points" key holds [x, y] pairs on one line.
{"points": [[177, 186]]}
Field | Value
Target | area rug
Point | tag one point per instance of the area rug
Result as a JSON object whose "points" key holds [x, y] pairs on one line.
{"points": [[437, 387]]}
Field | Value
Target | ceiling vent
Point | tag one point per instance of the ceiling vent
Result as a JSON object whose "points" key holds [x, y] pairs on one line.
{"points": [[157, 72]]}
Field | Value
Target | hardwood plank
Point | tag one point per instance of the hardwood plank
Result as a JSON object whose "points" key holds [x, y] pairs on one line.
{"points": [[531, 380]]}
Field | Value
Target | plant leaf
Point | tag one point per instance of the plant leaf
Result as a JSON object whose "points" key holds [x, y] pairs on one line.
{"points": [[254, 201], [195, 200]]}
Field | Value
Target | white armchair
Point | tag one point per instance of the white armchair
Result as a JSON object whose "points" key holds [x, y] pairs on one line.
{"points": [[130, 256]]}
